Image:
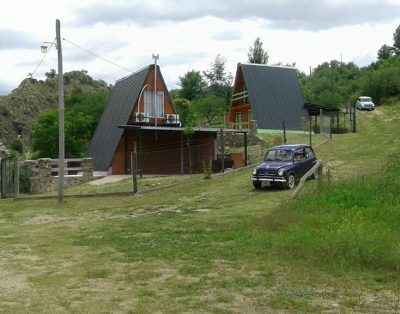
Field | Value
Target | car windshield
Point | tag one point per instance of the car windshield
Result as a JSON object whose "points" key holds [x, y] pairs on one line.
{"points": [[278, 155], [366, 99]]}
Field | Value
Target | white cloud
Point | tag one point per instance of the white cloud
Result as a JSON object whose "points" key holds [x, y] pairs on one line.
{"points": [[283, 14], [189, 35]]}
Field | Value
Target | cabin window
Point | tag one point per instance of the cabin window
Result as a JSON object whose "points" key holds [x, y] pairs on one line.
{"points": [[149, 108]]}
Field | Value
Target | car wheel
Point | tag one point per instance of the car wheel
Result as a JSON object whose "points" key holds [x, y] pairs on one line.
{"points": [[257, 184], [291, 181]]}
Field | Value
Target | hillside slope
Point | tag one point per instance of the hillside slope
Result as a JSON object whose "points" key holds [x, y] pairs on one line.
{"points": [[217, 245], [20, 109]]}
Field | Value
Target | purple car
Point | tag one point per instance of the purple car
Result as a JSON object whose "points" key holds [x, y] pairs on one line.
{"points": [[284, 165]]}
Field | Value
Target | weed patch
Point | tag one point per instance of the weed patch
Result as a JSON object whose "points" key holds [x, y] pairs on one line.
{"points": [[346, 225]]}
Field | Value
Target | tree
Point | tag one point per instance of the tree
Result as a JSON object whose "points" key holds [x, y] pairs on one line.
{"points": [[192, 85], [383, 83], [385, 52], [396, 41], [182, 107], [209, 110], [90, 103], [82, 113], [257, 54], [77, 134], [219, 82]]}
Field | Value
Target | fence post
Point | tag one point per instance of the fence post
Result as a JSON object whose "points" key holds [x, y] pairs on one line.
{"points": [[3, 178], [222, 151], [284, 132], [304, 178], [16, 176], [134, 168]]}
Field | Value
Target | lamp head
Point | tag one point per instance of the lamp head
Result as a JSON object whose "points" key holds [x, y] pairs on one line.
{"points": [[43, 48]]}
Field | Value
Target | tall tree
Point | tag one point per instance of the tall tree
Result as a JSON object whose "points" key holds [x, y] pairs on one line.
{"points": [[385, 52], [396, 40], [257, 54], [192, 85], [219, 81]]}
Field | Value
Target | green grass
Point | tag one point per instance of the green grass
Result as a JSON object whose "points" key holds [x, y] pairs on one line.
{"points": [[217, 245], [147, 183], [350, 225]]}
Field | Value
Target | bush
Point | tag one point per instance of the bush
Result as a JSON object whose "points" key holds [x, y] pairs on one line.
{"points": [[392, 101]]}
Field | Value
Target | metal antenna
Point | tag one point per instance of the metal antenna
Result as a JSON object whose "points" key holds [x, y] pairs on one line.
{"points": [[155, 57]]}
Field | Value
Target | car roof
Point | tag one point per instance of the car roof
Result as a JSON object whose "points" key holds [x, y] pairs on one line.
{"points": [[290, 147]]}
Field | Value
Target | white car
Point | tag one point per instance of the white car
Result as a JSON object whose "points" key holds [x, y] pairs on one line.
{"points": [[365, 103]]}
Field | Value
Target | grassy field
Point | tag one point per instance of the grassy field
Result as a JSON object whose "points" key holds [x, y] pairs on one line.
{"points": [[218, 245]]}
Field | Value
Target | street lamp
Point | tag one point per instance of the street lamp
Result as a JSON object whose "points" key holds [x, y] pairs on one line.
{"points": [[61, 140]]}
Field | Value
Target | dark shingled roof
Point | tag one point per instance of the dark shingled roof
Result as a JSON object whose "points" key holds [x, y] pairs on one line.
{"points": [[107, 135], [275, 96]]}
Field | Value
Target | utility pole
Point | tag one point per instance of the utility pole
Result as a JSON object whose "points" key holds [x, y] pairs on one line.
{"points": [[61, 144]]}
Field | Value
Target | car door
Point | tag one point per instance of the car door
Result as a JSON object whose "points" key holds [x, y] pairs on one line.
{"points": [[299, 163], [310, 159]]}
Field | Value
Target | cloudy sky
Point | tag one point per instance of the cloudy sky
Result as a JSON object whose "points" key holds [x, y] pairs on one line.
{"points": [[188, 34]]}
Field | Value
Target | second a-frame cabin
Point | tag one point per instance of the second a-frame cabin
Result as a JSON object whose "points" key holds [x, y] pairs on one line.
{"points": [[140, 114], [270, 95]]}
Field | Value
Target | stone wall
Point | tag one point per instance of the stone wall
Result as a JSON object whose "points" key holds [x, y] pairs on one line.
{"points": [[43, 181], [237, 139]]}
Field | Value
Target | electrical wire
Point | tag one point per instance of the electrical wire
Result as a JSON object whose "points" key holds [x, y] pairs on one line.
{"points": [[97, 56], [41, 61]]}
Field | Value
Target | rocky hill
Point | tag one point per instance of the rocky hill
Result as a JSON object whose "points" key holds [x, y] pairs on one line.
{"points": [[20, 109]]}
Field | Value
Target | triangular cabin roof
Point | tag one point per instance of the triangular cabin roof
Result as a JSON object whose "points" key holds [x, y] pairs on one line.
{"points": [[123, 101], [274, 94]]}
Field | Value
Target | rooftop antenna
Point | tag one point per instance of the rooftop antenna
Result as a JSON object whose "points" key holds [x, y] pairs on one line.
{"points": [[155, 57]]}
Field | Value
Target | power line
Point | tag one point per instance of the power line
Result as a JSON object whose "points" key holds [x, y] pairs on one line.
{"points": [[41, 61], [97, 56]]}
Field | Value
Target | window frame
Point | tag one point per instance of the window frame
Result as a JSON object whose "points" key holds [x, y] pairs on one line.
{"points": [[148, 100]]}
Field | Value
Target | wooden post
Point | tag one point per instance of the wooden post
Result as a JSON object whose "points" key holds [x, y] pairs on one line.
{"points": [[182, 160], [245, 149], [304, 178], [3, 178], [16, 176], [222, 151], [284, 131], [320, 171], [190, 156], [134, 168], [139, 157]]}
